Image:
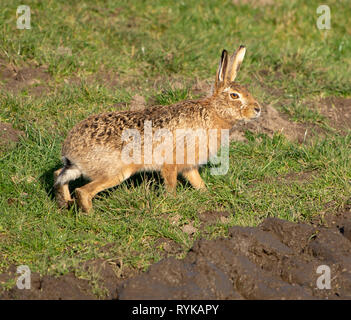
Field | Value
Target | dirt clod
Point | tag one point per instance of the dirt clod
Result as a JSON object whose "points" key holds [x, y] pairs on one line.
{"points": [[169, 246], [66, 287], [277, 260]]}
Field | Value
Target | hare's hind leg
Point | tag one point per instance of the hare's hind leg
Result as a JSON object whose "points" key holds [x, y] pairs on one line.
{"points": [[194, 178], [86, 193], [62, 195]]}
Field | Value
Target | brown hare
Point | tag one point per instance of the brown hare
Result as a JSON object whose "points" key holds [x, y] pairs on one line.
{"points": [[97, 147]]}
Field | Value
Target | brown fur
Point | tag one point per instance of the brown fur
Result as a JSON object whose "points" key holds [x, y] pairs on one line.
{"points": [[93, 147]]}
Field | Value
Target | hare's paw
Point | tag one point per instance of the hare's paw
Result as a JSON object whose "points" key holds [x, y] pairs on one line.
{"points": [[61, 201], [195, 179], [84, 200]]}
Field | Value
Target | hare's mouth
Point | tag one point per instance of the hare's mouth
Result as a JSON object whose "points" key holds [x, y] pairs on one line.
{"points": [[258, 114], [247, 120]]}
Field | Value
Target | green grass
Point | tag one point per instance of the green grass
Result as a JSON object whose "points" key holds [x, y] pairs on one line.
{"points": [[141, 42]]}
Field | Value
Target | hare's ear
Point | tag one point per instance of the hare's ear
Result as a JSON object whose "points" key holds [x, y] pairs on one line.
{"points": [[222, 69], [235, 62]]}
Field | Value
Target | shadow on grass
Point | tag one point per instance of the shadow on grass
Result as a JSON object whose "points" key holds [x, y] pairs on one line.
{"points": [[154, 180]]}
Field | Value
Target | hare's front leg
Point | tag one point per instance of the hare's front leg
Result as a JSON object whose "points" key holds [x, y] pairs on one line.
{"points": [[86, 193], [62, 195], [193, 176], [169, 174]]}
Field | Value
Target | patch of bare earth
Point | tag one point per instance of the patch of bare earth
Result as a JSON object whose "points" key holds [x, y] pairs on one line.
{"points": [[276, 260], [292, 177], [137, 103], [8, 136], [98, 275], [337, 110], [107, 78], [29, 77], [339, 220], [107, 275], [272, 121], [66, 287], [208, 218], [168, 247]]}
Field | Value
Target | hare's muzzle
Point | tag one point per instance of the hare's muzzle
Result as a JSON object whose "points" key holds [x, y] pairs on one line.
{"points": [[257, 109]]}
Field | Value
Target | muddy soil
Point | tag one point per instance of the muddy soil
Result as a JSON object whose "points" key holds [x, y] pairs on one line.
{"points": [[8, 136], [276, 260], [66, 287], [29, 77]]}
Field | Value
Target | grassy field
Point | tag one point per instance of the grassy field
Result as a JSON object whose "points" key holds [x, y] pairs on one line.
{"points": [[97, 55]]}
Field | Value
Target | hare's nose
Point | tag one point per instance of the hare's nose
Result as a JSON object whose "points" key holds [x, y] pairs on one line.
{"points": [[257, 108]]}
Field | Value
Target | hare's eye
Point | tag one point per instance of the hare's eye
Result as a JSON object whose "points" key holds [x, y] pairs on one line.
{"points": [[234, 95]]}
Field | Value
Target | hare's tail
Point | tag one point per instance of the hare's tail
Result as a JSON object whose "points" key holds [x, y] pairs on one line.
{"points": [[69, 172]]}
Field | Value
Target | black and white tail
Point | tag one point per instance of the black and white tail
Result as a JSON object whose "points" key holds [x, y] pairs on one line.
{"points": [[69, 172]]}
